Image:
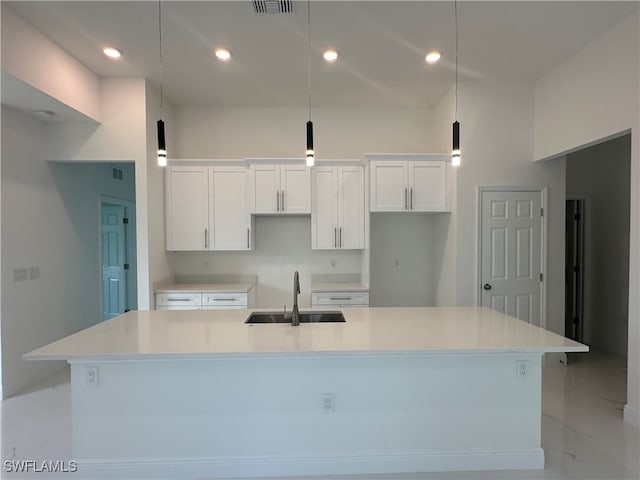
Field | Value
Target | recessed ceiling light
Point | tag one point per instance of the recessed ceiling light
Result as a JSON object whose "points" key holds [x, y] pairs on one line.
{"points": [[111, 52], [330, 55], [223, 54], [433, 57]]}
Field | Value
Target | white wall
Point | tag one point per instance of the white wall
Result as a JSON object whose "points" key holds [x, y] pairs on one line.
{"points": [[50, 220], [601, 174], [496, 122], [592, 96], [406, 259], [340, 133], [31, 57], [282, 246]]}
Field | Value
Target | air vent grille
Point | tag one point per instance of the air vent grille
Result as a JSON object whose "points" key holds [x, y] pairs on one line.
{"points": [[272, 6]]}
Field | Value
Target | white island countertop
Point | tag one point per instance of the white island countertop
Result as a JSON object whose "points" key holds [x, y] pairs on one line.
{"points": [[162, 334]]}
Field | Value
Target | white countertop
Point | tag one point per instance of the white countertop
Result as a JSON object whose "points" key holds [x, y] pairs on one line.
{"points": [[339, 287], [163, 334], [206, 288]]}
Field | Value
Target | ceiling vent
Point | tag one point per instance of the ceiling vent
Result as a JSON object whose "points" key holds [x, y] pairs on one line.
{"points": [[272, 6]]}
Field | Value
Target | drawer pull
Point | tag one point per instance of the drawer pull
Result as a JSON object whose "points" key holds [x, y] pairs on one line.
{"points": [[224, 299], [179, 299], [340, 298]]}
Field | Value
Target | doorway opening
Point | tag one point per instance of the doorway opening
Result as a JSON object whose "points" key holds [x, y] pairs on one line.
{"points": [[597, 232], [117, 256]]}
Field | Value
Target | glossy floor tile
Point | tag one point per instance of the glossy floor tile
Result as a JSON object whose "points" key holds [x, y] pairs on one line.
{"points": [[583, 434]]}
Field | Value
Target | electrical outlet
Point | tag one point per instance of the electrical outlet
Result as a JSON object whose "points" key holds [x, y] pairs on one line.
{"points": [[522, 369], [334, 262], [91, 375], [328, 402], [20, 274], [206, 264], [396, 262]]}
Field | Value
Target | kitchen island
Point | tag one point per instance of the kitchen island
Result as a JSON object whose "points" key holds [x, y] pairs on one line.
{"points": [[200, 394]]}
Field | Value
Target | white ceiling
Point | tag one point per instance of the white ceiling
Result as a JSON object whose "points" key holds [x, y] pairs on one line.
{"points": [[382, 45]]}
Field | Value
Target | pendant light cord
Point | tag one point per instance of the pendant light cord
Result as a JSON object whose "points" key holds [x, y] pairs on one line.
{"points": [[309, 54], [455, 14], [161, 65]]}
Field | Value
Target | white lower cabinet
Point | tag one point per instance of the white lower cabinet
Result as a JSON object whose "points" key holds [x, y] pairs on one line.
{"points": [[178, 301], [204, 301], [216, 301], [340, 299]]}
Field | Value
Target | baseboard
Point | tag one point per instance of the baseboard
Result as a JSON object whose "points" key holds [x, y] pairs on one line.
{"points": [[632, 416], [298, 465], [555, 357]]}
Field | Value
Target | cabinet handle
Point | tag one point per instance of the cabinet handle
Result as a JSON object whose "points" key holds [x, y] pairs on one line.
{"points": [[341, 238], [335, 237], [277, 201], [179, 299], [340, 298], [282, 202], [406, 201], [224, 299], [411, 197], [206, 238], [248, 237]]}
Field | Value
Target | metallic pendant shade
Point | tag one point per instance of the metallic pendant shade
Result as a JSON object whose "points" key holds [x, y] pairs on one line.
{"points": [[311, 158], [310, 154], [455, 151], [162, 147]]}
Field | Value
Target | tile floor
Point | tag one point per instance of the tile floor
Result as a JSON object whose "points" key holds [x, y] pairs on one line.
{"points": [[583, 434]]}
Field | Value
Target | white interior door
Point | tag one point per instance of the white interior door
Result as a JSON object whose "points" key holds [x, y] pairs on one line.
{"points": [[114, 287], [511, 253]]}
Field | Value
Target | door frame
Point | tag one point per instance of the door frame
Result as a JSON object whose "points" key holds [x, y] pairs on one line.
{"points": [[586, 254], [130, 244], [543, 190]]}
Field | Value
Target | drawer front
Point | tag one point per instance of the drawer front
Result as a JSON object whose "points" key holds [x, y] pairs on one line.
{"points": [[213, 300], [186, 299], [340, 298]]}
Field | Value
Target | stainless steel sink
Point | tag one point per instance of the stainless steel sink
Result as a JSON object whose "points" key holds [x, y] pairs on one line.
{"points": [[305, 317]]}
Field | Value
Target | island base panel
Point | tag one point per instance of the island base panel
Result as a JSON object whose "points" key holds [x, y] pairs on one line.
{"points": [[266, 416]]}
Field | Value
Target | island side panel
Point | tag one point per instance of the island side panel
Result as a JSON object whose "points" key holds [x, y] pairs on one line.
{"points": [[262, 416]]}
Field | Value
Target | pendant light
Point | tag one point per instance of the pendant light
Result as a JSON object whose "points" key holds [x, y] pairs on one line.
{"points": [[310, 153], [455, 151], [162, 147]]}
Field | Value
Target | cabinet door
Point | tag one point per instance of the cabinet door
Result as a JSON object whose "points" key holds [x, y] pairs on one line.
{"points": [[427, 186], [266, 188], [295, 189], [388, 185], [187, 208], [230, 216], [351, 213], [324, 221]]}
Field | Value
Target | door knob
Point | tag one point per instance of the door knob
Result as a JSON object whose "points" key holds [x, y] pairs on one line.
{"points": [[486, 286]]}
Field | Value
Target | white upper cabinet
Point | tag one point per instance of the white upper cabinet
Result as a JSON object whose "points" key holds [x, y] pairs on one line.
{"points": [[338, 210], [281, 189], [407, 185], [229, 212], [187, 208], [207, 208]]}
